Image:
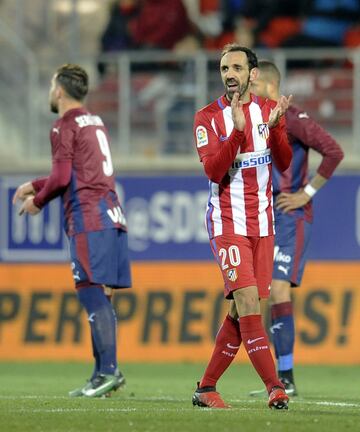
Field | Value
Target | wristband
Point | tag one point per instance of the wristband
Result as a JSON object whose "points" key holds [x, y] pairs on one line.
{"points": [[310, 190]]}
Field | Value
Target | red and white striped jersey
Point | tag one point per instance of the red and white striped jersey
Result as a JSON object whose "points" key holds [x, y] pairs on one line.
{"points": [[238, 165]]}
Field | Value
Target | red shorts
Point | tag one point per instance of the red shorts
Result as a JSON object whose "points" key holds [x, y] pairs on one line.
{"points": [[244, 261]]}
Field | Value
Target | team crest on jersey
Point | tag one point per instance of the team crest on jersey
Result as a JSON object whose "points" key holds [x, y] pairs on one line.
{"points": [[263, 130], [232, 275], [201, 136]]}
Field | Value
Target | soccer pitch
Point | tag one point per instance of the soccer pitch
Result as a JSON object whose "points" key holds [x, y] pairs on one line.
{"points": [[33, 397]]}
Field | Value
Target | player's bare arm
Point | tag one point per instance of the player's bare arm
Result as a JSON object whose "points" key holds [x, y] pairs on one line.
{"points": [[291, 201], [23, 191], [237, 112], [279, 110]]}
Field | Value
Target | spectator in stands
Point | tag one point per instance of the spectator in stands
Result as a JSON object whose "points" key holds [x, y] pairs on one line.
{"points": [[352, 36], [231, 9], [325, 23], [227, 24], [273, 21], [240, 32], [145, 24], [160, 24], [304, 23], [264, 23], [117, 35], [207, 17]]}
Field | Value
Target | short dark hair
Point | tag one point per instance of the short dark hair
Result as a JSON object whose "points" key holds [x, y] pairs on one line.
{"points": [[270, 68], [251, 56], [74, 80]]}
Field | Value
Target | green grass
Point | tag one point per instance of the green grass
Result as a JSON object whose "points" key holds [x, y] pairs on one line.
{"points": [[33, 397]]}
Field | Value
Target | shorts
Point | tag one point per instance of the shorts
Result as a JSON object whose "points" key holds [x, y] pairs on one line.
{"points": [[291, 246], [101, 257], [244, 261]]}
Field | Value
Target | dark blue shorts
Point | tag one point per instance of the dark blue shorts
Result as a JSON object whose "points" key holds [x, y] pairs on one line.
{"points": [[101, 257], [291, 245]]}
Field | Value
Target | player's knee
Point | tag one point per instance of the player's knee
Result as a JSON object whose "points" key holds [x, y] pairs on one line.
{"points": [[280, 292], [247, 301], [233, 310]]}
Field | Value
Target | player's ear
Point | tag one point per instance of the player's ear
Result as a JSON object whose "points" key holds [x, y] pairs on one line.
{"points": [[59, 91], [254, 74]]}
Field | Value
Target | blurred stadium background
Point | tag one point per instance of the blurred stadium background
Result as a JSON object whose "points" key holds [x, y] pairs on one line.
{"points": [[147, 98]]}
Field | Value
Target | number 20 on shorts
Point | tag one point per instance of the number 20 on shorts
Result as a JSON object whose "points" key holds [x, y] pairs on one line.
{"points": [[234, 256]]}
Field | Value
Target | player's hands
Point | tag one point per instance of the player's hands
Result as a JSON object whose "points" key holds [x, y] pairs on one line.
{"points": [[237, 112], [280, 109], [28, 206], [291, 201], [23, 191]]}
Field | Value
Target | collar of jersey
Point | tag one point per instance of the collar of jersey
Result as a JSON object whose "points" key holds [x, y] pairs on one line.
{"points": [[74, 110]]}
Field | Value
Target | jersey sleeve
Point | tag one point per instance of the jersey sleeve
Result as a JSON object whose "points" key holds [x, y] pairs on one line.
{"points": [[39, 183], [216, 155], [55, 183], [280, 148], [312, 135], [64, 146]]}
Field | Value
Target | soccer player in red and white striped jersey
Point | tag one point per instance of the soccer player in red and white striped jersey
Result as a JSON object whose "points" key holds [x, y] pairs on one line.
{"points": [[238, 137]]}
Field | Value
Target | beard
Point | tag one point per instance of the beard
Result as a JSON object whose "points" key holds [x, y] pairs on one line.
{"points": [[54, 108], [241, 88]]}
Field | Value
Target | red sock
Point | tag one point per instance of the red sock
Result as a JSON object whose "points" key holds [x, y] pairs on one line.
{"points": [[256, 344], [227, 344]]}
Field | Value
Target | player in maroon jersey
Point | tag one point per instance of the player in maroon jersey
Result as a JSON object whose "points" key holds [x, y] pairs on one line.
{"points": [[237, 138], [293, 194], [82, 174]]}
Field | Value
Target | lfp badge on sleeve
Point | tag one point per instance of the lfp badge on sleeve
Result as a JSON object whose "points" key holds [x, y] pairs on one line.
{"points": [[30, 239]]}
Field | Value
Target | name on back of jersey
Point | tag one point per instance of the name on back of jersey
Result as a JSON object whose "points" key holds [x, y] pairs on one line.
{"points": [[251, 159], [89, 120]]}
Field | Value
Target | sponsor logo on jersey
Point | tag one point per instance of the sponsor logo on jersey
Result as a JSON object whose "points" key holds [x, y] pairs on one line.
{"points": [[56, 130], [201, 136], [263, 130], [252, 159], [232, 275]]}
